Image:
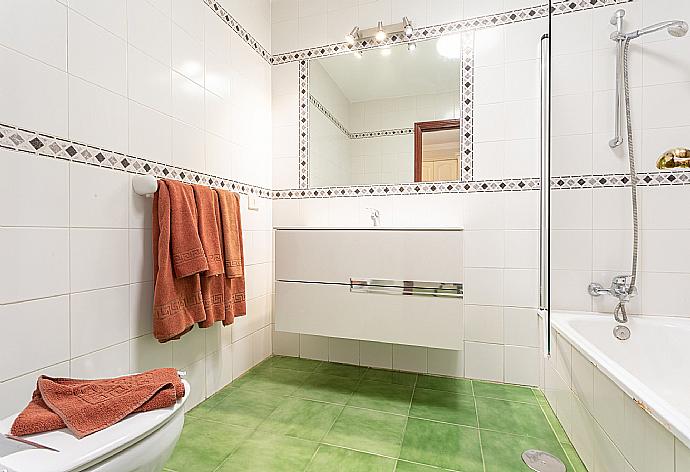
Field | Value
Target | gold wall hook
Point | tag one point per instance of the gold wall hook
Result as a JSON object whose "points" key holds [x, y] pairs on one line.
{"points": [[674, 158]]}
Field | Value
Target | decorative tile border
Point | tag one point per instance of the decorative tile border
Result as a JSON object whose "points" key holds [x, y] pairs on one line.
{"points": [[435, 31], [359, 135], [239, 29], [303, 124], [467, 107], [18, 139]]}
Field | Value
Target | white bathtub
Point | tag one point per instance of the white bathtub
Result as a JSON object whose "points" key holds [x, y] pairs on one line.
{"points": [[652, 367]]}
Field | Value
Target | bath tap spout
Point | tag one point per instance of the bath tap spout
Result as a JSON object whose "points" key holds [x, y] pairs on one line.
{"points": [[620, 313]]}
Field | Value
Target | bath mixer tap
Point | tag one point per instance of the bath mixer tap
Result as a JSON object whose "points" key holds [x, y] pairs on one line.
{"points": [[375, 216], [620, 288]]}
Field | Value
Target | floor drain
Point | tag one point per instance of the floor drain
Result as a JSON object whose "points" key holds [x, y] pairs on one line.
{"points": [[541, 461]]}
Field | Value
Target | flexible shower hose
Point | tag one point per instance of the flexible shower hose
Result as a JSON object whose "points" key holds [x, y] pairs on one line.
{"points": [[620, 309]]}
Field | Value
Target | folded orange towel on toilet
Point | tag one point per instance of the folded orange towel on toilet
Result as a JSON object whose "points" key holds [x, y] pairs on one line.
{"points": [[87, 406]]}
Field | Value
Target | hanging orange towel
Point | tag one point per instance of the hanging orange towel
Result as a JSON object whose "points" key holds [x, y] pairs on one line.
{"points": [[212, 281], [187, 251], [87, 406], [233, 255], [177, 302]]}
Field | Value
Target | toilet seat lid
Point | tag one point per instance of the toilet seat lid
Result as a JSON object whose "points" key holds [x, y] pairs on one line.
{"points": [[76, 454]]}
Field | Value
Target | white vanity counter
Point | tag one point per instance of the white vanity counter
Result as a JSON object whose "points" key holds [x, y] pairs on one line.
{"points": [[362, 283]]}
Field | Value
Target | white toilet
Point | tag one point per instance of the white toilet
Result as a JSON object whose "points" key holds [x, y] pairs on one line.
{"points": [[142, 442]]}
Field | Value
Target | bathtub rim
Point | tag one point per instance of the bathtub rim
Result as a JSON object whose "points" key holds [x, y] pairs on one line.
{"points": [[664, 413]]}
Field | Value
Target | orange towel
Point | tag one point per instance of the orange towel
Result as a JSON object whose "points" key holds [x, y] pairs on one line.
{"points": [[212, 281], [233, 255], [187, 251], [177, 302], [87, 406]]}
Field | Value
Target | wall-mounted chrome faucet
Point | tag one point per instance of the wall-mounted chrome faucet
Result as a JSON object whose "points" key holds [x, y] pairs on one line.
{"points": [[621, 289], [375, 216]]}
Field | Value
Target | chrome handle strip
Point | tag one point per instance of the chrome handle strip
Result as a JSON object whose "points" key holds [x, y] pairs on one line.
{"points": [[545, 157], [407, 287]]}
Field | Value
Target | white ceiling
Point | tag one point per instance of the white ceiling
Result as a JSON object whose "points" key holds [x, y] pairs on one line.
{"points": [[402, 73]]}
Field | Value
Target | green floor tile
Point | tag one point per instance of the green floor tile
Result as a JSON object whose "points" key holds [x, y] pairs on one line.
{"points": [[381, 396], [304, 419], [295, 363], [368, 431], [341, 370], [513, 417], [442, 445], [244, 408], [275, 381], [403, 466], [555, 424], [268, 453], [503, 452], [391, 376], [444, 406], [204, 445], [504, 392], [335, 459], [445, 384], [207, 405], [575, 461], [327, 388]]}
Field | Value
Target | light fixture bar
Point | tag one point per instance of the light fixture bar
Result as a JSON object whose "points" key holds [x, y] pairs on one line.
{"points": [[381, 32]]}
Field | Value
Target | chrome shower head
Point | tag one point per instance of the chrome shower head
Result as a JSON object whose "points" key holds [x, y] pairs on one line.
{"points": [[678, 29]]}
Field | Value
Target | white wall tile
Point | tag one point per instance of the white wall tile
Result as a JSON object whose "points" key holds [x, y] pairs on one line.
{"points": [[218, 370], [146, 353], [149, 81], [446, 362], [344, 351], [483, 323], [34, 94], [20, 22], [110, 14], [262, 345], [97, 116], [187, 100], [242, 356], [46, 204], [484, 361], [97, 55], [109, 362], [374, 354], [149, 30], [187, 55], [35, 263], [522, 365], [98, 197], [99, 319], [520, 327], [286, 344], [37, 335], [313, 347], [188, 146], [483, 286], [97, 258], [15, 392], [410, 358], [140, 309], [190, 16]]}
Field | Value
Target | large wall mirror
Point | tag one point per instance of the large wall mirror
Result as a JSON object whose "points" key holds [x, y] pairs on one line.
{"points": [[385, 115]]}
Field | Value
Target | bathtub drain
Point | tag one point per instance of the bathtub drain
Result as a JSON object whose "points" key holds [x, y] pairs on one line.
{"points": [[621, 332]]}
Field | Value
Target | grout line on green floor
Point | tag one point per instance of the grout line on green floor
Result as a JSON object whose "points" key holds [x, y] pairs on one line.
{"points": [[479, 431]]}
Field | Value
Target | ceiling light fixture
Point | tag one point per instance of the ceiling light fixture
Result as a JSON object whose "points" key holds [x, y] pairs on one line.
{"points": [[380, 33], [357, 54], [353, 36], [411, 46]]}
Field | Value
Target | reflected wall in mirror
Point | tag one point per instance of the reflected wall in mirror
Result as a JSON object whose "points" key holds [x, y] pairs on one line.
{"points": [[363, 110], [437, 150]]}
